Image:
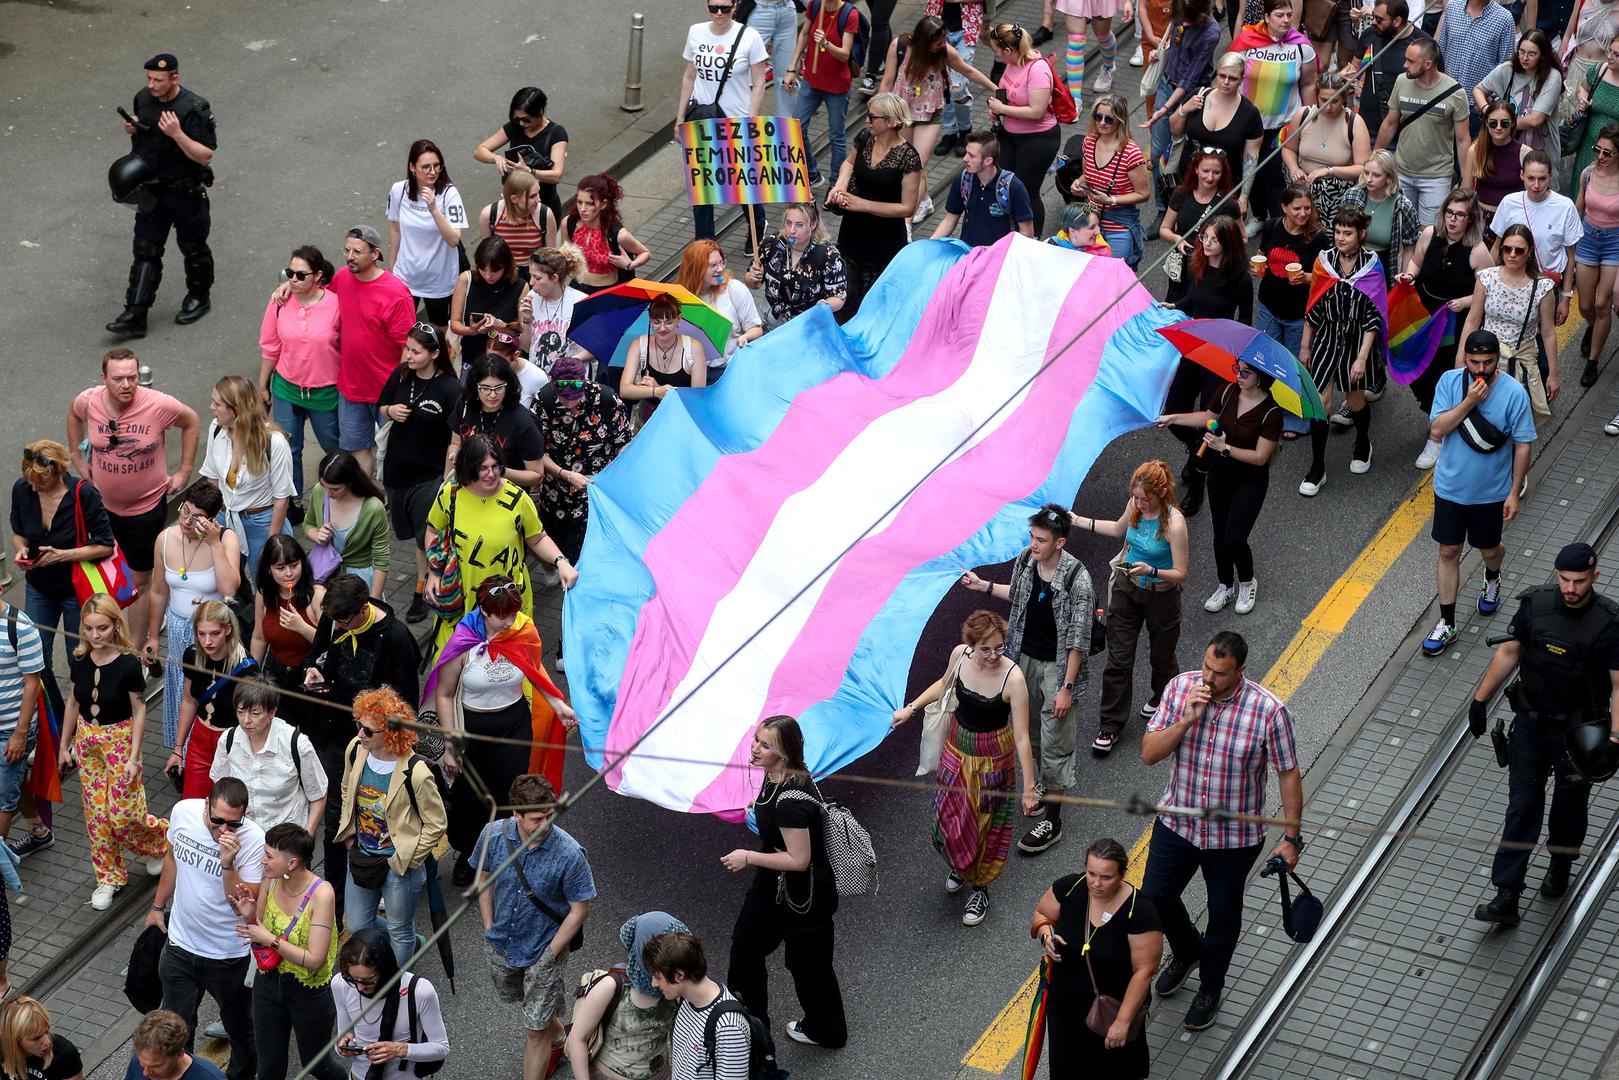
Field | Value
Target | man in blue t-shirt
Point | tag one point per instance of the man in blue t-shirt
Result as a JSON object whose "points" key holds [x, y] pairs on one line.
{"points": [[1477, 482], [991, 201], [160, 1051]]}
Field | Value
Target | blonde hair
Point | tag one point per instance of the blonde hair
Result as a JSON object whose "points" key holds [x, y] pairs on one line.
{"points": [[890, 107], [215, 611], [818, 232], [44, 474], [1232, 59], [516, 183], [22, 1018], [564, 262], [1013, 37], [102, 604], [252, 430]]}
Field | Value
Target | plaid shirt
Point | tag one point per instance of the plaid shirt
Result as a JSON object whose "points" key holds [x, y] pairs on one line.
{"points": [[1221, 761], [1071, 611]]}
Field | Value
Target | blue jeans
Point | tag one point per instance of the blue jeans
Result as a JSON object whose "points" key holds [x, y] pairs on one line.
{"points": [[777, 22], [402, 893], [956, 118], [1130, 243], [1162, 139], [357, 421], [1172, 861], [254, 534], [289, 417], [44, 609], [702, 218], [837, 114], [1290, 333]]}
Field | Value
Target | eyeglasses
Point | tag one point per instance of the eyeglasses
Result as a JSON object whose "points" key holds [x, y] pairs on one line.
{"points": [[1514, 249], [497, 388], [576, 384], [1451, 212], [1104, 118], [357, 983], [290, 274], [1499, 125], [494, 467], [427, 328], [988, 650], [430, 166], [230, 823]]}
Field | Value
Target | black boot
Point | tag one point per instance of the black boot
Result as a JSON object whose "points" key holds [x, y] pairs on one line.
{"points": [[1588, 377], [199, 264], [144, 276], [1502, 911], [1555, 883], [945, 144], [1194, 479]]}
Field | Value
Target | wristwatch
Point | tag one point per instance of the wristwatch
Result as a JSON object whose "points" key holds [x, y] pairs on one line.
{"points": [[1296, 841], [1070, 686]]}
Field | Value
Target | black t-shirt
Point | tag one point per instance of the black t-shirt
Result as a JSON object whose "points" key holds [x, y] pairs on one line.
{"points": [[513, 430], [1282, 299], [1189, 210], [103, 692], [219, 711], [536, 153], [1245, 124], [417, 446], [772, 814], [65, 1062], [27, 521], [1110, 942], [1039, 621]]}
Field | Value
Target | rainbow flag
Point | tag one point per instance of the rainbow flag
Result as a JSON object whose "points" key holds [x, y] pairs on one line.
{"points": [[44, 778], [749, 159], [1415, 337], [1034, 1036]]}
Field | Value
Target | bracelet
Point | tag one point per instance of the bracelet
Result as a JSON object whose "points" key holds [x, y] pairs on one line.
{"points": [[558, 560], [160, 909]]}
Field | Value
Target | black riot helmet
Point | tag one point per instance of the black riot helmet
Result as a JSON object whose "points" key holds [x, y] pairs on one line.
{"points": [[129, 178], [1595, 756]]}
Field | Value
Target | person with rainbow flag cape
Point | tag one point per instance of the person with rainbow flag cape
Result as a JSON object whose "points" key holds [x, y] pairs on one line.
{"points": [[490, 680], [1279, 79]]}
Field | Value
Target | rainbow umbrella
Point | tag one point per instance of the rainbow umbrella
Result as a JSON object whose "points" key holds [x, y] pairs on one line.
{"points": [[606, 323], [1217, 344], [1034, 1035]]}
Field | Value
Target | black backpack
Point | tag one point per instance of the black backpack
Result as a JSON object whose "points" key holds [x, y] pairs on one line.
{"points": [[761, 1047], [297, 761]]}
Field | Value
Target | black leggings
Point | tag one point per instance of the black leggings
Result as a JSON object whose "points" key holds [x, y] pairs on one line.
{"points": [[1027, 157], [1236, 495], [1265, 201], [882, 34]]}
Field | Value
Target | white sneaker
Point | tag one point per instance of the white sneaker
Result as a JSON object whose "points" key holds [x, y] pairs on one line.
{"points": [[1358, 467], [977, 908], [1136, 59], [1252, 228], [1611, 427], [1430, 452], [1219, 598], [101, 899], [154, 867], [1247, 593], [923, 209], [1311, 488], [1104, 81]]}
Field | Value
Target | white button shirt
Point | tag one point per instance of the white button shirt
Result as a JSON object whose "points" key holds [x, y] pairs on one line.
{"points": [[274, 791]]}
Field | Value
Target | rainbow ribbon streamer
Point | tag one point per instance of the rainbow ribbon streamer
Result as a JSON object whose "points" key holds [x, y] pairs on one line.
{"points": [[750, 159], [1415, 337]]}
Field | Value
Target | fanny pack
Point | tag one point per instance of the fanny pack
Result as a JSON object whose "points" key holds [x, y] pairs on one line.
{"points": [[1480, 435]]}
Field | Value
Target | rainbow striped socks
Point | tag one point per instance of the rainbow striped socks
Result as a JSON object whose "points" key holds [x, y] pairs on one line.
{"points": [[1076, 66], [1109, 47]]}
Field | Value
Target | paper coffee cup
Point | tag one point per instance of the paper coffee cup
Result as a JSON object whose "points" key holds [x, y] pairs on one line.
{"points": [[1257, 263]]}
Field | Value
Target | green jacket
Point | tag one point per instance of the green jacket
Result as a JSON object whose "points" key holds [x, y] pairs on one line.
{"points": [[368, 541]]}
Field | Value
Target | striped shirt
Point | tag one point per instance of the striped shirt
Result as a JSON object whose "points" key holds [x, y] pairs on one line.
{"points": [[688, 1058], [1114, 177], [1222, 760], [26, 659]]}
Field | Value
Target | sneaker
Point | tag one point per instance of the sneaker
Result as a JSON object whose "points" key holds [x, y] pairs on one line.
{"points": [[215, 1030], [1361, 465], [1219, 598], [795, 1032], [1588, 377], [1430, 454], [1104, 81], [1341, 417], [1150, 709], [1102, 745], [31, 843], [1042, 836], [1205, 1007], [562, 667], [1173, 977], [1489, 597], [101, 899], [418, 609], [1136, 58], [154, 867], [1252, 228], [1555, 883], [868, 85], [1039, 793], [1247, 593], [816, 179], [1611, 427], [1041, 35], [1502, 911], [1312, 484], [923, 209], [953, 883], [1442, 637], [977, 908]]}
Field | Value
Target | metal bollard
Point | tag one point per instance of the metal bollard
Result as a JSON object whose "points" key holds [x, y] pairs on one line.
{"points": [[144, 374], [632, 71]]}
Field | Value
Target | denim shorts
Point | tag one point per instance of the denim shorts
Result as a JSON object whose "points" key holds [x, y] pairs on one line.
{"points": [[12, 775], [1598, 247], [357, 423]]}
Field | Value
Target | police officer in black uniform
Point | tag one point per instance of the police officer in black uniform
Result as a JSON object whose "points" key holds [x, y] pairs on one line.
{"points": [[1566, 649], [174, 133]]}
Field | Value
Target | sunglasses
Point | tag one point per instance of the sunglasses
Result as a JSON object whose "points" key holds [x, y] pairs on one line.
{"points": [[502, 337], [365, 732], [112, 435], [290, 274], [1603, 151], [510, 587], [576, 384], [1499, 125], [429, 329], [1212, 151], [1244, 372], [230, 823], [1513, 249], [719, 9], [34, 457], [1104, 118]]}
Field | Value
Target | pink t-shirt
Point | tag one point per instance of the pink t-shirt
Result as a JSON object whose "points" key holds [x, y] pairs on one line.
{"points": [[1018, 80], [377, 315], [302, 339], [127, 463]]}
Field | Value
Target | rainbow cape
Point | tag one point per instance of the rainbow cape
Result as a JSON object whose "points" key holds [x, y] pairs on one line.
{"points": [[1415, 337], [520, 644], [1368, 281], [1269, 83]]}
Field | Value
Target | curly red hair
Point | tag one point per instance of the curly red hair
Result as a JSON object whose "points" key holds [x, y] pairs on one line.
{"points": [[384, 705]]}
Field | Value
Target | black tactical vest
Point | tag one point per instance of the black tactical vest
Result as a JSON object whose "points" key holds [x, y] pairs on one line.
{"points": [[158, 149], [1563, 673]]}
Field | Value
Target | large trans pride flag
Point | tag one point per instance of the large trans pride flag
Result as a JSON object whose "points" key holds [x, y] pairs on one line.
{"points": [[731, 500]]}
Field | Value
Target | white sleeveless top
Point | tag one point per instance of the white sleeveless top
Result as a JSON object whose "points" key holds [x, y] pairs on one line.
{"points": [[489, 683], [190, 587]]}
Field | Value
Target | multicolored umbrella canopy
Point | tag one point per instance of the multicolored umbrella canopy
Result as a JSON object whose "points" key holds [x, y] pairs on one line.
{"points": [[606, 323], [1217, 344]]}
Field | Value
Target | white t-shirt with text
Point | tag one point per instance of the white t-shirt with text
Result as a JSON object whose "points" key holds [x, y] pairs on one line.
{"points": [[707, 52], [425, 262], [202, 922]]}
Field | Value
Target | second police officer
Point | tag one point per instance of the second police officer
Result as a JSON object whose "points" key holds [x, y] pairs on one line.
{"points": [[1565, 646], [173, 134]]}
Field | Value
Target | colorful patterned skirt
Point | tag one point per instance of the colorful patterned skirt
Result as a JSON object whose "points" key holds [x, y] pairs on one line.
{"points": [[976, 801]]}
